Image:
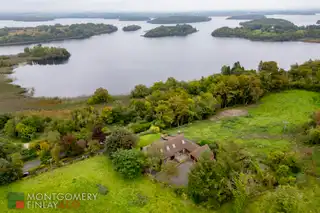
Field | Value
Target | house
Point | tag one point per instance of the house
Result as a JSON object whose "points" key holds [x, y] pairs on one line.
{"points": [[178, 148]]}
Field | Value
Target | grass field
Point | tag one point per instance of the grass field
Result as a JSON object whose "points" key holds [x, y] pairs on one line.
{"points": [[83, 177], [262, 131]]}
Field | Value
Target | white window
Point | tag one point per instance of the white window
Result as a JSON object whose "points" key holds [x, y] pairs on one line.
{"points": [[168, 148], [174, 146], [183, 142], [161, 150]]}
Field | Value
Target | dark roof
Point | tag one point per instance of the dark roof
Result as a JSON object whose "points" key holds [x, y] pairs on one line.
{"points": [[202, 149], [173, 144]]}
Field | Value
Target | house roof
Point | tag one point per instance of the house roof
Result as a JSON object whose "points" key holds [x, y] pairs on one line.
{"points": [[200, 150], [170, 145]]}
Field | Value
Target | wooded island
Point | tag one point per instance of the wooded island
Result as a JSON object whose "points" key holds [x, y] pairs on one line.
{"points": [[164, 31], [46, 33], [270, 29]]}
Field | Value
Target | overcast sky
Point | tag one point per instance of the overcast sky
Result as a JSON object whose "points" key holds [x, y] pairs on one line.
{"points": [[152, 5]]}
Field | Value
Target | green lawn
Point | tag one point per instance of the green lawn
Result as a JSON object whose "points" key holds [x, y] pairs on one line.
{"points": [[263, 130], [83, 177]]}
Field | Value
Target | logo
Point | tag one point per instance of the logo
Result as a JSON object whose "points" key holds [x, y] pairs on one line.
{"points": [[15, 200]]}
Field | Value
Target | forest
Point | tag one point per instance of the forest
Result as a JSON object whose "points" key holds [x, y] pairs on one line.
{"points": [[45, 33], [246, 17], [271, 30], [131, 28], [179, 19], [164, 31]]}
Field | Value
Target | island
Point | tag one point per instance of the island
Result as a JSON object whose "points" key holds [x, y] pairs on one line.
{"points": [[179, 19], [134, 18], [271, 30], [246, 17], [165, 31], [131, 28], [46, 33]]}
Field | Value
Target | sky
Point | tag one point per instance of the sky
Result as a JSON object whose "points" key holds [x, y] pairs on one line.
{"points": [[152, 5]]}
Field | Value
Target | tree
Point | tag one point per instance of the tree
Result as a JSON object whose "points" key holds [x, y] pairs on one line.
{"points": [[10, 128], [209, 183], [93, 146], [55, 153], [170, 169], [140, 91], [9, 172], [120, 139], [100, 96], [129, 163]]}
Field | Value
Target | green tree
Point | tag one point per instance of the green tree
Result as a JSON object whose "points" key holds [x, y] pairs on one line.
{"points": [[170, 169], [100, 96], [10, 128], [129, 163], [140, 91], [120, 139], [55, 153]]}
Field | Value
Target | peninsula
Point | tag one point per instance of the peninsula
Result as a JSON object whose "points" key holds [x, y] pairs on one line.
{"points": [[246, 17], [269, 29], [131, 28], [179, 19], [165, 31], [46, 33]]}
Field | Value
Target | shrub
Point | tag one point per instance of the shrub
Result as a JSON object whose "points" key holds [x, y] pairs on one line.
{"points": [[285, 199], [28, 154], [55, 153], [154, 129], [45, 157], [120, 139], [8, 172], [35, 122], [139, 127], [314, 136], [10, 128], [100, 96], [3, 120], [93, 146], [129, 163], [26, 133]]}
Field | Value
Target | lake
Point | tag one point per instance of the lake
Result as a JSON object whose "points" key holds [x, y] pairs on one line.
{"points": [[121, 60]]}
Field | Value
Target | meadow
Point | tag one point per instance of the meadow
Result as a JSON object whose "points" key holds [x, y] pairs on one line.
{"points": [[272, 124]]}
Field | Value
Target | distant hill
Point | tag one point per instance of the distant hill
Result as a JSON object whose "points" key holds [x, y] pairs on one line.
{"points": [[246, 17], [131, 28], [179, 19], [318, 22], [165, 31], [134, 18]]}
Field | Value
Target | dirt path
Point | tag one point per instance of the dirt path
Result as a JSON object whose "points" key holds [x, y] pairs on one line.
{"points": [[230, 113]]}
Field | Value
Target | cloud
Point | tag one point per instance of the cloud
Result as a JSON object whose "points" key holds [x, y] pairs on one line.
{"points": [[153, 5]]}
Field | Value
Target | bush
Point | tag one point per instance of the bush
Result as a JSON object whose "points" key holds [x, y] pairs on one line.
{"points": [[154, 129], [120, 139], [28, 154], [314, 136], [9, 172], [100, 96], [129, 163], [35, 122], [10, 128], [26, 133], [285, 199], [3, 120], [45, 157], [139, 127]]}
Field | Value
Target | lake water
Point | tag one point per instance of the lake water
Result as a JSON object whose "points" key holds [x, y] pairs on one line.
{"points": [[121, 60]]}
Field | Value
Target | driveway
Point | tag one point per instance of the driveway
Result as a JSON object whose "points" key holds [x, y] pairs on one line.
{"points": [[182, 178]]}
